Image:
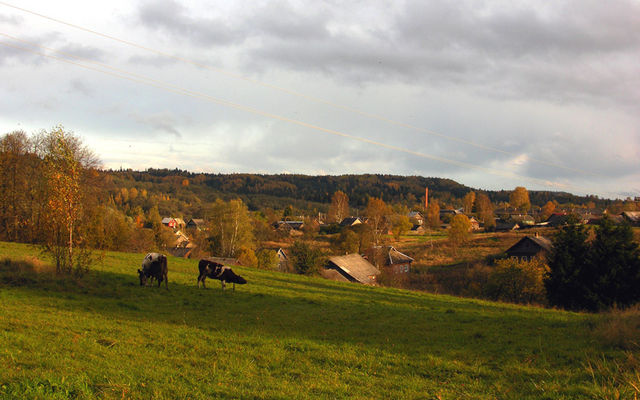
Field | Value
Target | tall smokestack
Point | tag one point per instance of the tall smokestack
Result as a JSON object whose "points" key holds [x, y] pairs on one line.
{"points": [[426, 198]]}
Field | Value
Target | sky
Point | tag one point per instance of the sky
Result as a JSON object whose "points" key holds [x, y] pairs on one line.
{"points": [[492, 94]]}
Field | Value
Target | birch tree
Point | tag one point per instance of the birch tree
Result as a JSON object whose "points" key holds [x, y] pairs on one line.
{"points": [[66, 163]]}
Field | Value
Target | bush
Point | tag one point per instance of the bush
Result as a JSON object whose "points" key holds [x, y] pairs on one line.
{"points": [[306, 259], [267, 259], [517, 281]]}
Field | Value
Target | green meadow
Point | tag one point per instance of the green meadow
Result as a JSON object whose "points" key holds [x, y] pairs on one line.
{"points": [[282, 336]]}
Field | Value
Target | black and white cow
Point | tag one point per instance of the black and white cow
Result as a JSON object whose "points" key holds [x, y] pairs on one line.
{"points": [[213, 270], [154, 265]]}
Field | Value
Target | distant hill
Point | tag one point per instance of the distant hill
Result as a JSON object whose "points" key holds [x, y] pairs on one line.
{"points": [[314, 192]]}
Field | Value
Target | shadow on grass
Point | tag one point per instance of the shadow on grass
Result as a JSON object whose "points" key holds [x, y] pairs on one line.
{"points": [[275, 307]]}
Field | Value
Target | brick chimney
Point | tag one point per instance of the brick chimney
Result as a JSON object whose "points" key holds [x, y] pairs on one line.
{"points": [[426, 198]]}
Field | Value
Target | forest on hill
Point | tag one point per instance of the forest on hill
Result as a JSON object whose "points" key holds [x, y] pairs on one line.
{"points": [[309, 194]]}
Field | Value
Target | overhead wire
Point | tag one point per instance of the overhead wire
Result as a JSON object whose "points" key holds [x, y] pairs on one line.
{"points": [[119, 73], [298, 94]]}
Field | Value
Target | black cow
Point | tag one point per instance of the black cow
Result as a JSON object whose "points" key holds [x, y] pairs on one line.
{"points": [[214, 270], [154, 265]]}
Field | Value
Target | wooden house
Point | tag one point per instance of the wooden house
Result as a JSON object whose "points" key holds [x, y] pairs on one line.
{"points": [[507, 226], [197, 223], [352, 268], [283, 261], [389, 257], [417, 217], [530, 247], [350, 221], [173, 223], [633, 217]]}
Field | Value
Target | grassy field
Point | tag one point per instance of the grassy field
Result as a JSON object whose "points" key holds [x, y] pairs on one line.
{"points": [[283, 336]]}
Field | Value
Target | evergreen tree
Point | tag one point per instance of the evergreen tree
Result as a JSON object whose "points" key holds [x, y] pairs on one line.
{"points": [[594, 275]]}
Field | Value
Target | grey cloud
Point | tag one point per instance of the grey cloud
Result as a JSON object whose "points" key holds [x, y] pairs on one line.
{"points": [[172, 18], [158, 122], [78, 86]]}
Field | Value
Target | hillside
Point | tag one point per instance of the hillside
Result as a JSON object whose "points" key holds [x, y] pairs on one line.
{"points": [[310, 193], [280, 336]]}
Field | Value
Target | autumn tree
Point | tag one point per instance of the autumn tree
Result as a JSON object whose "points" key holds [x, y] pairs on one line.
{"points": [[400, 225], [484, 208], [66, 162], [518, 281], [339, 208], [305, 258], [459, 230], [433, 214], [519, 199], [267, 259], [547, 210], [376, 212], [231, 228], [468, 201], [16, 178]]}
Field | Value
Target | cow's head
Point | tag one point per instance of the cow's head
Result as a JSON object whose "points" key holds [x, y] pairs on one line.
{"points": [[237, 279], [143, 277]]}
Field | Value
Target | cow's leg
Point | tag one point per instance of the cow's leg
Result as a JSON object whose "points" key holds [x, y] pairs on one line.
{"points": [[222, 283], [166, 281]]}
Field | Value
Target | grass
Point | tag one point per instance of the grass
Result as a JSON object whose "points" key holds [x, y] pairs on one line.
{"points": [[280, 336]]}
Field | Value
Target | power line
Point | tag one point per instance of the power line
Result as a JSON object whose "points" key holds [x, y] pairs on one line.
{"points": [[298, 94], [194, 94]]}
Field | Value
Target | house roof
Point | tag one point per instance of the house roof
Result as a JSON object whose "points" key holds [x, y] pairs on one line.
{"points": [[196, 221], [166, 220], [356, 267], [388, 255], [415, 214], [538, 241], [507, 226], [632, 216], [349, 221]]}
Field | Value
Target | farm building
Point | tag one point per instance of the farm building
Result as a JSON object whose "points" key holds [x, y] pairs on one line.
{"points": [[173, 223], [351, 268], [530, 247], [350, 221], [389, 257], [197, 223]]}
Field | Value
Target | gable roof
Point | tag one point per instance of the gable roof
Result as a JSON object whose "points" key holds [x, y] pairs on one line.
{"points": [[355, 268], [350, 221], [632, 216], [525, 245]]}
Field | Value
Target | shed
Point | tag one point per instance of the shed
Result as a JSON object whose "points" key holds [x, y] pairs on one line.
{"points": [[530, 247], [350, 221], [353, 268]]}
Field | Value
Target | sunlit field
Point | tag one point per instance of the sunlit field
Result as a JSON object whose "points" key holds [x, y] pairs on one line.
{"points": [[282, 336]]}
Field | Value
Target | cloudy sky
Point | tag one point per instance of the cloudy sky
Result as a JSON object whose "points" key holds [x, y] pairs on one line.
{"points": [[493, 94]]}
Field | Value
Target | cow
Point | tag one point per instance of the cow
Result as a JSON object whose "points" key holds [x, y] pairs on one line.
{"points": [[214, 270], [154, 265]]}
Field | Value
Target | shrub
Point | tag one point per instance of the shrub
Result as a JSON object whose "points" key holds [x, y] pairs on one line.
{"points": [[267, 259], [306, 259], [517, 281]]}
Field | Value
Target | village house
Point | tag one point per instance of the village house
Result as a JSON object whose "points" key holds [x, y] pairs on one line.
{"points": [[529, 247], [350, 221], [351, 268], [633, 217], [197, 223], [293, 228], [173, 223], [389, 257], [283, 261], [416, 216]]}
